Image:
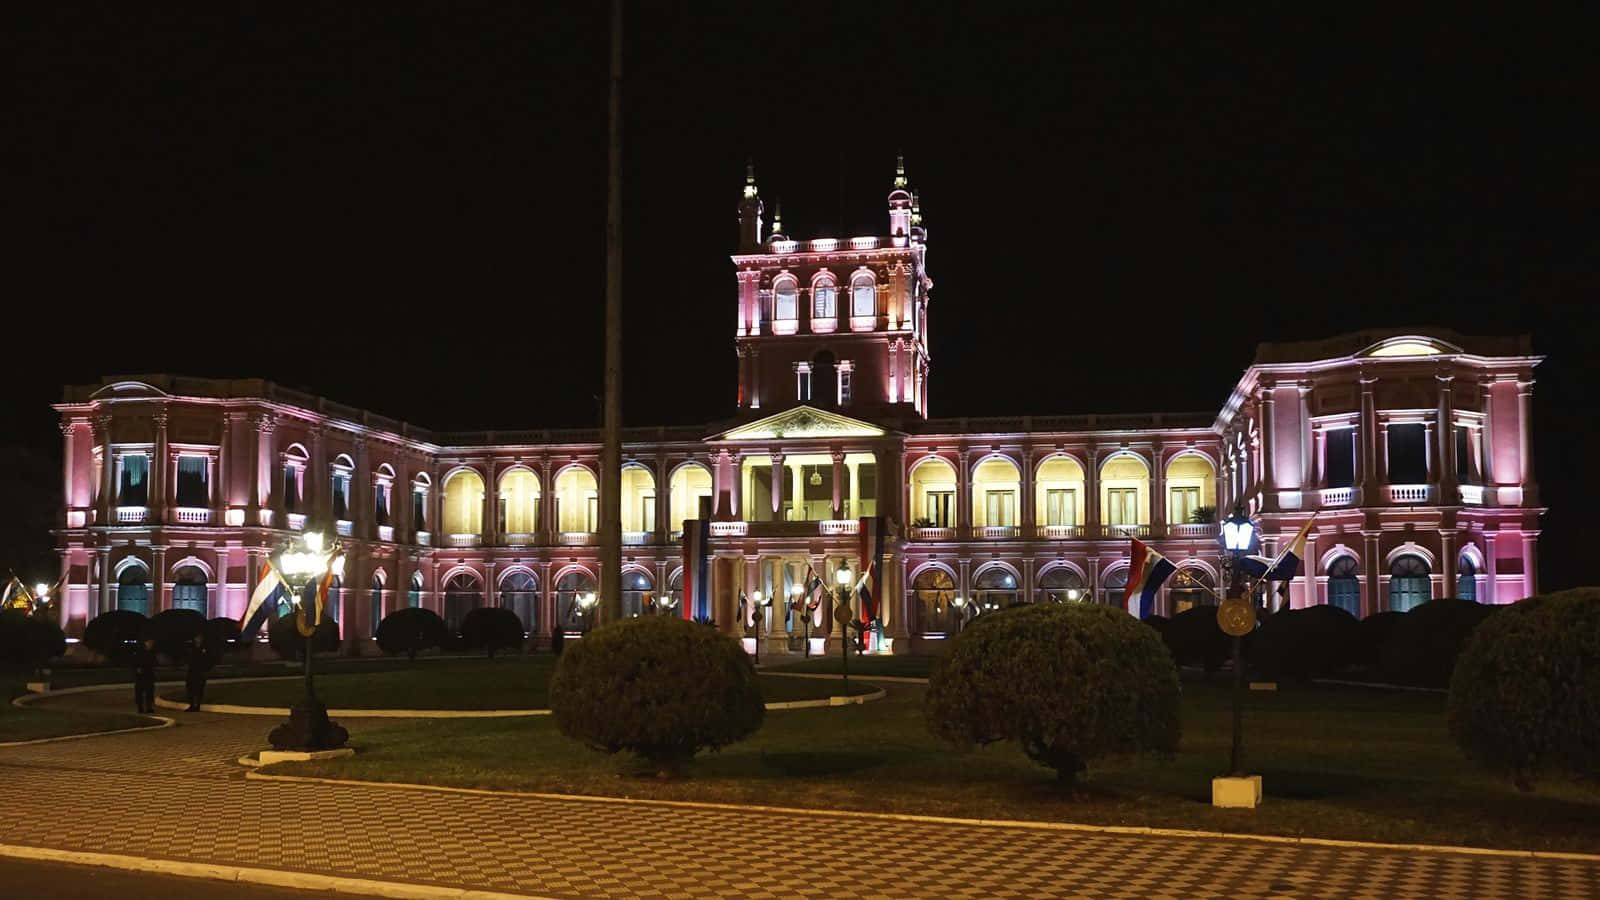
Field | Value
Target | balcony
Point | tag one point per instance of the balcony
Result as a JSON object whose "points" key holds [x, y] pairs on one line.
{"points": [[577, 538], [263, 517], [344, 527], [1472, 494], [730, 529], [997, 532], [1125, 531], [77, 518], [517, 539], [386, 533], [296, 521], [1339, 496], [1409, 493], [635, 538], [1062, 532], [191, 515], [931, 534], [1194, 530], [424, 539], [675, 537], [463, 540], [839, 526], [132, 515]]}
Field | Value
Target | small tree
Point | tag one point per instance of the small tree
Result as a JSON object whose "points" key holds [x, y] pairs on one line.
{"points": [[411, 630], [222, 634], [1302, 643], [656, 686], [283, 635], [1525, 696], [29, 640], [115, 634], [1424, 643], [1194, 639], [1069, 683], [491, 628], [174, 631]]}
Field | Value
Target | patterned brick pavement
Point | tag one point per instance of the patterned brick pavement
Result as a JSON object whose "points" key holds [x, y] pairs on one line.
{"points": [[177, 794]]}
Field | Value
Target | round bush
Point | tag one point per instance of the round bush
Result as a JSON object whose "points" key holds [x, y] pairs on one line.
{"points": [[174, 631], [491, 628], [1375, 631], [1070, 683], [1425, 642], [1525, 696], [1302, 643], [658, 687], [222, 634], [29, 640], [286, 640], [1194, 639], [410, 631], [115, 634]]}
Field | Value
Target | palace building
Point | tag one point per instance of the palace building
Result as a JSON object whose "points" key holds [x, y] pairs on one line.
{"points": [[1412, 445]]}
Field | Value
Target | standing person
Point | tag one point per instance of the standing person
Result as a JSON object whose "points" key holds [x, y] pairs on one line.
{"points": [[200, 662], [144, 676], [557, 635]]}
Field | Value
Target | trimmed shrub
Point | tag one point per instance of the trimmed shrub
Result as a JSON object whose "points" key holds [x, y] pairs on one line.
{"points": [[1525, 696], [658, 687], [410, 631], [29, 640], [1425, 642], [1302, 643], [1194, 639], [491, 628], [1375, 631], [115, 634], [286, 641], [222, 635], [1070, 683], [174, 631]]}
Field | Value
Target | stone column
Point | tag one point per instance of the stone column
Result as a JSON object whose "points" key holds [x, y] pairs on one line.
{"points": [[1269, 445], [252, 570], [104, 602], [67, 462], [743, 395], [777, 485], [1308, 573], [663, 522], [1530, 562], [491, 592], [1490, 560], [1091, 493], [158, 577], [797, 480], [547, 601], [894, 370], [752, 569], [1449, 478], [1027, 579], [963, 582], [491, 506], [1307, 481], [963, 494], [1367, 434], [755, 377], [1486, 389], [106, 501], [1158, 493], [221, 473], [854, 468], [547, 504], [1028, 503], [838, 484], [1447, 562], [1372, 599], [160, 480], [317, 481], [219, 605], [1530, 491]]}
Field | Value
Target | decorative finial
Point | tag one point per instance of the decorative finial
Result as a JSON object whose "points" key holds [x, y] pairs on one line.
{"points": [[916, 208], [749, 177], [900, 171], [777, 217]]}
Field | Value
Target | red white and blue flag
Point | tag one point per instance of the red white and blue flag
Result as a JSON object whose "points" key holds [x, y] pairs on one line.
{"points": [[696, 586], [270, 589], [871, 551], [1147, 571]]}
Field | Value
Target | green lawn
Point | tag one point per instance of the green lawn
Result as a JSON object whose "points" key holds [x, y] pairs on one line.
{"points": [[885, 666], [511, 682], [1338, 762], [31, 722]]}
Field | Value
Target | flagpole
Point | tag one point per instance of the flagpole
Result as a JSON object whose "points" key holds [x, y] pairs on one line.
{"points": [[611, 452]]}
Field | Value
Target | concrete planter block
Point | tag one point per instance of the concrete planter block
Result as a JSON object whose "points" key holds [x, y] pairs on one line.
{"points": [[38, 687], [1236, 793], [268, 757]]}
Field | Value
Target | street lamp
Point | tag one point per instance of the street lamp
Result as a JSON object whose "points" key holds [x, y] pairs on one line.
{"points": [[1236, 616], [842, 612], [309, 727], [755, 623], [801, 608], [586, 602]]}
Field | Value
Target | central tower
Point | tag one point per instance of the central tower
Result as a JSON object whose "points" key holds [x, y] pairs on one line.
{"points": [[834, 322]]}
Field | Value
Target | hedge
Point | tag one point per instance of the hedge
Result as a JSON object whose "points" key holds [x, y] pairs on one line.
{"points": [[491, 628], [115, 634], [1423, 645], [1302, 643], [411, 630]]}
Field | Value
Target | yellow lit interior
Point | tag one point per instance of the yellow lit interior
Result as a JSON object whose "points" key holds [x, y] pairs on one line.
{"points": [[1124, 473], [463, 503], [519, 497], [575, 496], [638, 499], [1059, 474], [996, 485], [689, 484], [937, 478], [1189, 477]]}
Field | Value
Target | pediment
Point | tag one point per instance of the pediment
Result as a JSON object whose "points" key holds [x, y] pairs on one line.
{"points": [[1410, 345], [127, 390], [802, 422]]}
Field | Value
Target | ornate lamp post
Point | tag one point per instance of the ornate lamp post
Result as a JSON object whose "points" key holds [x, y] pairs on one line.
{"points": [[842, 612], [309, 727], [1236, 616], [960, 603], [586, 603], [799, 605], [756, 605]]}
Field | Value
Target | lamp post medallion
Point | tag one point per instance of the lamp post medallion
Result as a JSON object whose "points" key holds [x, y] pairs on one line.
{"points": [[1236, 617]]}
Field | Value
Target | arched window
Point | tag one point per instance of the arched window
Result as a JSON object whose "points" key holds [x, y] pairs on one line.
{"points": [[463, 503], [670, 603], [824, 299], [994, 589], [570, 613], [1062, 585], [638, 595], [935, 593], [294, 471], [133, 590], [463, 592], [1192, 587], [691, 495], [189, 590], [1467, 579], [577, 501], [1115, 592], [1409, 584], [863, 296], [784, 293], [1344, 585], [414, 596], [519, 592], [377, 605], [518, 502]]}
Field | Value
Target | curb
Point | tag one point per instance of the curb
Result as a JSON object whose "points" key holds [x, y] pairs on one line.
{"points": [[25, 699], [848, 700], [1130, 830], [249, 875], [892, 679]]}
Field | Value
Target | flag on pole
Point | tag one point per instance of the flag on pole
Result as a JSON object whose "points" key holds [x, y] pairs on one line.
{"points": [[696, 590], [871, 532], [1147, 571], [1287, 563], [270, 589], [16, 596]]}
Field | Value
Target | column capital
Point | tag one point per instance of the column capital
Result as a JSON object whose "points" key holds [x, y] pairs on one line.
{"points": [[265, 423], [160, 417]]}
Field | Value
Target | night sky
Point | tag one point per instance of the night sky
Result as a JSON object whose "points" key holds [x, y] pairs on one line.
{"points": [[401, 205]]}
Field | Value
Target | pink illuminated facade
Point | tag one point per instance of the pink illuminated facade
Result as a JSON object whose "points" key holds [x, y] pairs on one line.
{"points": [[1412, 445]]}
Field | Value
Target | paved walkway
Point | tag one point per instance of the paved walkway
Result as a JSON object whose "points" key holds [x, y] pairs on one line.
{"points": [[177, 794]]}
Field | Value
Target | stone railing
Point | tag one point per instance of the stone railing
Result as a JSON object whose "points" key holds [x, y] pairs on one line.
{"points": [[635, 538], [1409, 493], [424, 539], [1472, 494], [997, 532], [1124, 531], [730, 529], [1062, 532], [132, 515], [930, 534], [577, 538], [386, 533], [1194, 530], [1339, 496], [296, 521], [344, 527], [839, 526], [463, 540], [192, 515], [517, 539]]}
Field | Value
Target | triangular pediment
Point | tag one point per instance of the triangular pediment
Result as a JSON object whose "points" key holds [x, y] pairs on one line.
{"points": [[802, 422]]}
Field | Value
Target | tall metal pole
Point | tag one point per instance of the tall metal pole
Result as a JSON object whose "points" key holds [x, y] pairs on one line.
{"points": [[611, 453]]}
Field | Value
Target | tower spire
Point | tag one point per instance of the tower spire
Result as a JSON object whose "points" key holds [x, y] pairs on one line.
{"points": [[900, 171], [749, 177], [777, 217]]}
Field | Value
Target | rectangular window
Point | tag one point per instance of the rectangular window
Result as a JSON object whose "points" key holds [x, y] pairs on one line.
{"points": [[380, 511], [824, 302], [940, 505], [1339, 458], [802, 389], [844, 387], [786, 303], [1000, 508], [192, 490], [592, 514], [341, 496], [1181, 504], [1060, 507], [1122, 506], [647, 512], [419, 519], [291, 489], [1464, 469], [134, 490], [1408, 454], [863, 300]]}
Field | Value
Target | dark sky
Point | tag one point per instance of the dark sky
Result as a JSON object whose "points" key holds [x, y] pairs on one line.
{"points": [[401, 205]]}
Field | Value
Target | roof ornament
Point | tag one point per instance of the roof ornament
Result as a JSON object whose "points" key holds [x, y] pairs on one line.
{"points": [[749, 178], [900, 171]]}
